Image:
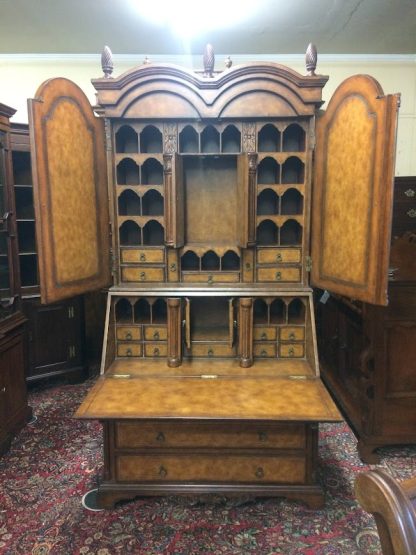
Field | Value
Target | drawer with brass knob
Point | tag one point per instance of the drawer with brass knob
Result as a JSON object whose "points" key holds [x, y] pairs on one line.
{"points": [[155, 350], [145, 274], [278, 255], [265, 333], [212, 350], [142, 256], [291, 350], [265, 350], [128, 333], [279, 274], [155, 333], [210, 277], [292, 333], [129, 350]]}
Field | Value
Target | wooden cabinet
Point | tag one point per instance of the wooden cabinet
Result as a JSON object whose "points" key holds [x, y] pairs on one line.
{"points": [[56, 331], [14, 410], [368, 352], [210, 352]]}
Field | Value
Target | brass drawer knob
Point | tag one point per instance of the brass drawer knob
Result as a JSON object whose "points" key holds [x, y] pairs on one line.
{"points": [[278, 276], [210, 279], [292, 336], [156, 352], [210, 352], [129, 352], [248, 266], [291, 352], [160, 437], [156, 336], [259, 472], [172, 267], [263, 353], [142, 275], [263, 436], [279, 257], [3, 389], [163, 472], [142, 257], [263, 335], [128, 336]]}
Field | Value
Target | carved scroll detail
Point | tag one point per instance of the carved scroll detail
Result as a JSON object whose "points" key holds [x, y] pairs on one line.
{"points": [[249, 137], [170, 138]]}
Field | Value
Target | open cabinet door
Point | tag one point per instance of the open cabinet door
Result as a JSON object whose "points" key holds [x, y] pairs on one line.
{"points": [[353, 191], [70, 191]]}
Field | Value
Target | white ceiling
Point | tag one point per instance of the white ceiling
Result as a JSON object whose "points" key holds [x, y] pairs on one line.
{"points": [[280, 26]]}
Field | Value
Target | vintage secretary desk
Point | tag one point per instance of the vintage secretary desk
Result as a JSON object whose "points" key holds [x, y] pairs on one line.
{"points": [[191, 194]]}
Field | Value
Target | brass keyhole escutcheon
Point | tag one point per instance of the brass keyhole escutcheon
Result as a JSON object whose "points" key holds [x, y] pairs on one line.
{"points": [[259, 472], [278, 257], [129, 352], [291, 352], [278, 276], [263, 335], [156, 336], [210, 352], [263, 436], [160, 437], [142, 257], [156, 352], [172, 267], [142, 275], [163, 472], [129, 336], [210, 279]]}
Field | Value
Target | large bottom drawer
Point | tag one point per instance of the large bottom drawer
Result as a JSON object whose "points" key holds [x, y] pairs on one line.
{"points": [[210, 468]]}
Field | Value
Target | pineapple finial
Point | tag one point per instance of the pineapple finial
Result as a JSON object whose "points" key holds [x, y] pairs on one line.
{"points": [[107, 62], [311, 59], [209, 61]]}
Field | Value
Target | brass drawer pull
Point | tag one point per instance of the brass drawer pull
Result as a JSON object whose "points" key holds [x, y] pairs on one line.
{"points": [[411, 213], [292, 336], [279, 257], [210, 279], [156, 352], [128, 336], [291, 352], [263, 353], [172, 267], [263, 436], [142, 275], [410, 193], [248, 266], [278, 276], [163, 472], [160, 437], [210, 352], [129, 352], [3, 389], [142, 257], [263, 335], [259, 472], [156, 336]]}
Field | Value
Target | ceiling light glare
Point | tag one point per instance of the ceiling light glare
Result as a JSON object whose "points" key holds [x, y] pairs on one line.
{"points": [[190, 18]]}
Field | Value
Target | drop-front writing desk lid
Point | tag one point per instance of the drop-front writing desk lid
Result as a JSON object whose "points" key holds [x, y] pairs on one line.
{"points": [[210, 390]]}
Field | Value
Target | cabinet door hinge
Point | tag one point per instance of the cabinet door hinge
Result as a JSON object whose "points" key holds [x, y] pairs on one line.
{"points": [[72, 351], [308, 263]]}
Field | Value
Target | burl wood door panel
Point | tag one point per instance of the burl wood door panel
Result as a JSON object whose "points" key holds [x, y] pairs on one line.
{"points": [[353, 191], [70, 191]]}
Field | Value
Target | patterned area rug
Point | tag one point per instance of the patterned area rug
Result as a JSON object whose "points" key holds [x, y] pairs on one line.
{"points": [[55, 461]]}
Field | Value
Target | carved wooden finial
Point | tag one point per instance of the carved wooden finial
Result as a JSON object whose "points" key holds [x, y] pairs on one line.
{"points": [[228, 62], [107, 62], [311, 59], [209, 61]]}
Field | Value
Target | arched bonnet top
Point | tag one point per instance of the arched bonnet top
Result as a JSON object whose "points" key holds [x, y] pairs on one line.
{"points": [[252, 90]]}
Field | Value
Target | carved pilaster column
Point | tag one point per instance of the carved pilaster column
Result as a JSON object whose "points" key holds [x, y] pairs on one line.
{"points": [[245, 332], [174, 226], [252, 178], [174, 333]]}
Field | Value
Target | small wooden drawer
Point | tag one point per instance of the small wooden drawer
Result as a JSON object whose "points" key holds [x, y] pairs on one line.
{"points": [[142, 256], [142, 274], [292, 334], [211, 350], [264, 333], [155, 350], [278, 256], [210, 467], [291, 350], [128, 333], [155, 333], [264, 350], [129, 350], [133, 435], [213, 277], [279, 275]]}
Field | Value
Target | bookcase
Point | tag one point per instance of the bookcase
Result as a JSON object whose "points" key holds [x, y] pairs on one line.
{"points": [[14, 409], [189, 195], [55, 332]]}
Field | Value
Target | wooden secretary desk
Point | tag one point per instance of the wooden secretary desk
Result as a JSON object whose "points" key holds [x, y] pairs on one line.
{"points": [[191, 194]]}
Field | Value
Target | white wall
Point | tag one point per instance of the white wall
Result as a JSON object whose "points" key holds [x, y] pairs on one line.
{"points": [[22, 74]]}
